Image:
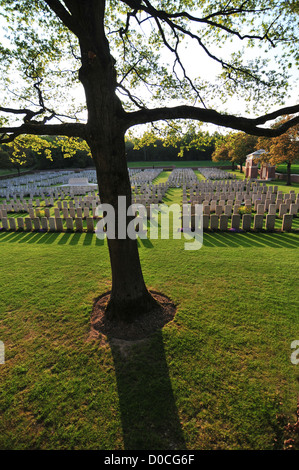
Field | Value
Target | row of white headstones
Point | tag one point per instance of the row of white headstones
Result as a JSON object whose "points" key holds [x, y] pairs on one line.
{"points": [[224, 198]]}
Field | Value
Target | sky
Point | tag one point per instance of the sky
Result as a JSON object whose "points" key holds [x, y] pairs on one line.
{"points": [[198, 64]]}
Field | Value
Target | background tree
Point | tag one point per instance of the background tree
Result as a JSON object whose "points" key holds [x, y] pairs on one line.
{"points": [[282, 149], [114, 49], [241, 145], [222, 151], [21, 150], [175, 142], [5, 162], [235, 147]]}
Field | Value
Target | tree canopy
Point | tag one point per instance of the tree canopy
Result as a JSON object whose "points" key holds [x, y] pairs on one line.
{"points": [[46, 42], [282, 149], [234, 147]]}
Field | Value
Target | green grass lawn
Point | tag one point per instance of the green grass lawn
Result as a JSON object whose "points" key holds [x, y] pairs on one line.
{"points": [[8, 172], [217, 377], [283, 168]]}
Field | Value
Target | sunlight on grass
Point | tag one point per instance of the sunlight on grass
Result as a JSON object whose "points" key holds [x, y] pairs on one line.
{"points": [[227, 351], [217, 377]]}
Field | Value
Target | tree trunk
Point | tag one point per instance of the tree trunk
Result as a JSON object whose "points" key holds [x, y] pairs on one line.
{"points": [[289, 179], [105, 135], [129, 296]]}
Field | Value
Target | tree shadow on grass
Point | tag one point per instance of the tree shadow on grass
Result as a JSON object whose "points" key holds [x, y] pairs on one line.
{"points": [[60, 238], [251, 239], [149, 415], [145, 242], [211, 239], [12, 237]]}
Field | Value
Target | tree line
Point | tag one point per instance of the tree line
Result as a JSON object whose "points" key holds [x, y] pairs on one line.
{"points": [[48, 152]]}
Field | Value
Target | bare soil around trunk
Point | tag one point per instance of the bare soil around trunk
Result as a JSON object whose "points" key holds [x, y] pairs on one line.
{"points": [[142, 327]]}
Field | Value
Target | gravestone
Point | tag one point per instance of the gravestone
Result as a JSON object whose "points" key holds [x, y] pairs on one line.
{"points": [[72, 212], [267, 204], [12, 223], [28, 224], [270, 222], [260, 209], [52, 224], [4, 223], [79, 224], [44, 223], [206, 210], [214, 222], [20, 221], [69, 223], [287, 223], [236, 219], [272, 209], [213, 206], [282, 210], [89, 223], [205, 221], [219, 210], [246, 222], [36, 223], [223, 222], [228, 210], [59, 224], [258, 222], [294, 209], [65, 213]]}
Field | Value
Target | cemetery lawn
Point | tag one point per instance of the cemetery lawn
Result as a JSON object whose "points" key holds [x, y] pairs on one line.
{"points": [[9, 172], [294, 168], [217, 377]]}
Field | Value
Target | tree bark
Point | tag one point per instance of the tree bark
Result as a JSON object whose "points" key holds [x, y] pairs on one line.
{"points": [[129, 296], [289, 179], [105, 134]]}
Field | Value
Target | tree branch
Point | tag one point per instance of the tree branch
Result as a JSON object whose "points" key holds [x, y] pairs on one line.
{"points": [[8, 134], [167, 19], [137, 101], [29, 114], [250, 126], [63, 15]]}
